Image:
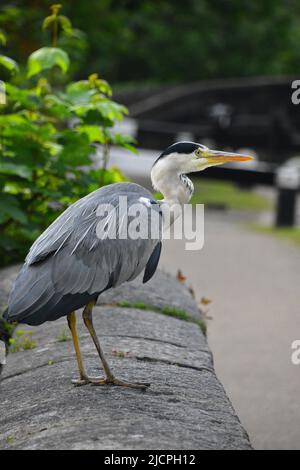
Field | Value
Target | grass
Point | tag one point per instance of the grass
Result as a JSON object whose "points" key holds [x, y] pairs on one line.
{"points": [[289, 233], [170, 311], [202, 325], [9, 440], [6, 331], [23, 341], [139, 305], [63, 337], [217, 193]]}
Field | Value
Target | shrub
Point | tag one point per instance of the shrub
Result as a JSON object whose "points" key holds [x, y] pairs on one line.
{"points": [[48, 128]]}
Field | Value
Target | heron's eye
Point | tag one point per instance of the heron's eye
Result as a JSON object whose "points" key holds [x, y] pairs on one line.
{"points": [[198, 152]]}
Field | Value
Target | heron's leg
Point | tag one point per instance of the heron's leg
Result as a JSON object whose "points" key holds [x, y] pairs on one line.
{"points": [[83, 378], [110, 379]]}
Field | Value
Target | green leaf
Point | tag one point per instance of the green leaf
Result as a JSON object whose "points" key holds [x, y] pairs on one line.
{"points": [[10, 209], [104, 87], [111, 110], [94, 133], [2, 38], [9, 64], [11, 120], [8, 168], [17, 214], [53, 147], [76, 149], [48, 21], [65, 23], [125, 141], [47, 58], [22, 98], [57, 106], [101, 85], [80, 92]]}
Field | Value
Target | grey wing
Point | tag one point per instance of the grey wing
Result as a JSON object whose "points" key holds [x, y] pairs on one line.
{"points": [[70, 264]]}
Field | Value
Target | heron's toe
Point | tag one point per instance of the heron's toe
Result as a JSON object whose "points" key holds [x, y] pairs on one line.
{"points": [[97, 380], [121, 383], [80, 382], [137, 385], [88, 380]]}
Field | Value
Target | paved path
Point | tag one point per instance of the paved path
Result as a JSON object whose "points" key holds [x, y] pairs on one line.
{"points": [[254, 282]]}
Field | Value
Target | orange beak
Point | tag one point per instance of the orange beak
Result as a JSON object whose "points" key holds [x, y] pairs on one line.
{"points": [[218, 157]]}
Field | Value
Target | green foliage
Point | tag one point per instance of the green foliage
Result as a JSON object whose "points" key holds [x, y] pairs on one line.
{"points": [[22, 342], [47, 131], [137, 41]]}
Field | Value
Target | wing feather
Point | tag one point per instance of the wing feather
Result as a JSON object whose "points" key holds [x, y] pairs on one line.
{"points": [[68, 263], [152, 263]]}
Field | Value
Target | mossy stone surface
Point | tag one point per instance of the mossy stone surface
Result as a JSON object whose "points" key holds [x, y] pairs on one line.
{"points": [[186, 406]]}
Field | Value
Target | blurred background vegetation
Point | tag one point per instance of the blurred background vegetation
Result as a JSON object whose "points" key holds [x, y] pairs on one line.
{"points": [[157, 41], [59, 105]]}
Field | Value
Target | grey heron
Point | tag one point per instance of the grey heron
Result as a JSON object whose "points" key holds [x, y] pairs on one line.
{"points": [[69, 265]]}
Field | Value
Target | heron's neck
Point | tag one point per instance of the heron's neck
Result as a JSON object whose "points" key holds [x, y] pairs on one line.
{"points": [[176, 188]]}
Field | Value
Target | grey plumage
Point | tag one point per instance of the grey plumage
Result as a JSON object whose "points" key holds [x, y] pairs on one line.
{"points": [[78, 257], [68, 265]]}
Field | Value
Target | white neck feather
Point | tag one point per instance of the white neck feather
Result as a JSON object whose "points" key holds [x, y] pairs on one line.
{"points": [[176, 187]]}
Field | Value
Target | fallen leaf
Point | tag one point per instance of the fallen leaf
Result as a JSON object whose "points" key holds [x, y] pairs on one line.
{"points": [[180, 277], [205, 301]]}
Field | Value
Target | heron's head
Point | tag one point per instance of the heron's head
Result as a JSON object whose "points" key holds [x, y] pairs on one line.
{"points": [[188, 157]]}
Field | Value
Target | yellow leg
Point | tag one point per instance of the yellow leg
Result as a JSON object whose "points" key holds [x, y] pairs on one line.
{"points": [[83, 378], [110, 379]]}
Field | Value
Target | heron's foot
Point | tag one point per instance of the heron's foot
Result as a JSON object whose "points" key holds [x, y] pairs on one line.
{"points": [[86, 380], [123, 383]]}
